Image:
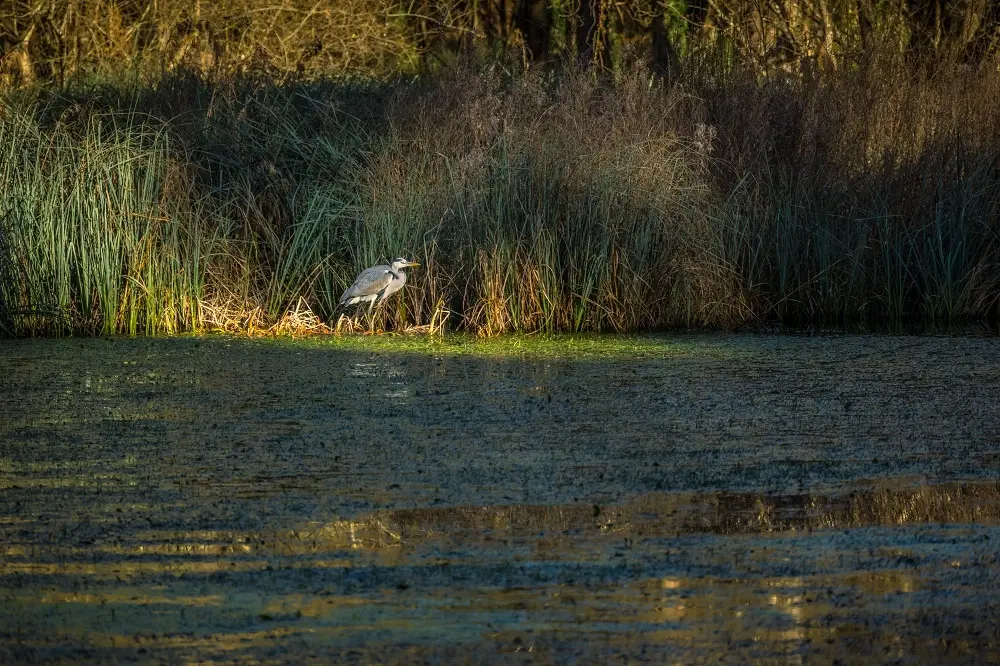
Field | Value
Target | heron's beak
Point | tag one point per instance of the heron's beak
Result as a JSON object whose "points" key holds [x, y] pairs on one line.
{"points": [[413, 263]]}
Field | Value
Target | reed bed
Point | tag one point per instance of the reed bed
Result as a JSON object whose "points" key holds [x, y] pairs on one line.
{"points": [[536, 201]]}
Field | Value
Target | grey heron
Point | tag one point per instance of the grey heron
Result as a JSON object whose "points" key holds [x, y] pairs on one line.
{"points": [[377, 283]]}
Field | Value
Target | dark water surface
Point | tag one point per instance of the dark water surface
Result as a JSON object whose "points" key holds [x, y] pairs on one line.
{"points": [[674, 499]]}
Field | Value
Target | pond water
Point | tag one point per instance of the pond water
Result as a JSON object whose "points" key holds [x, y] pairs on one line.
{"points": [[682, 498]]}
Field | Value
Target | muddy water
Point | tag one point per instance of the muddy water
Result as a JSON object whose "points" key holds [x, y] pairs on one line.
{"points": [[683, 499]]}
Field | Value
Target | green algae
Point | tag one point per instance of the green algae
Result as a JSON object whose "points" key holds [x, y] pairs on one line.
{"points": [[542, 346]]}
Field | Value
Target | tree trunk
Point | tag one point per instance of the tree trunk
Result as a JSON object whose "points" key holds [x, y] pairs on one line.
{"points": [[666, 64], [865, 25], [586, 30], [533, 19]]}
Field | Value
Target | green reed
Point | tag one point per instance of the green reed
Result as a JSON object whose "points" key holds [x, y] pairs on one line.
{"points": [[561, 204], [91, 242]]}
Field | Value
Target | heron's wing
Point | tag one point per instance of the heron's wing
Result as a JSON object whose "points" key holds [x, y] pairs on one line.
{"points": [[371, 282]]}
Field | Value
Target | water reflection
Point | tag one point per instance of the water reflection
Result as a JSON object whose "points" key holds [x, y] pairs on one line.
{"points": [[669, 574], [250, 503], [392, 376]]}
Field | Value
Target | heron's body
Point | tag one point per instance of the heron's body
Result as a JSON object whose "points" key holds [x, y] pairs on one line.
{"points": [[377, 283]]}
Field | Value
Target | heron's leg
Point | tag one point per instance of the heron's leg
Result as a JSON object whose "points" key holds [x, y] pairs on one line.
{"points": [[371, 316], [355, 319]]}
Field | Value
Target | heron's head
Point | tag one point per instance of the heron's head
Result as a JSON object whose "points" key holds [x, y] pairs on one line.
{"points": [[402, 263]]}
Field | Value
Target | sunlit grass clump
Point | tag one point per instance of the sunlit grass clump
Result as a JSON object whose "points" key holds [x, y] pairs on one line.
{"points": [[555, 202]]}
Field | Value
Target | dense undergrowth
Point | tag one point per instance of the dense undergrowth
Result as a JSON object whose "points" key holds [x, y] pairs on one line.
{"points": [[535, 198]]}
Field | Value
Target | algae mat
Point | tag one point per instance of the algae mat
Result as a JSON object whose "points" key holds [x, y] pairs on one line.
{"points": [[566, 500]]}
